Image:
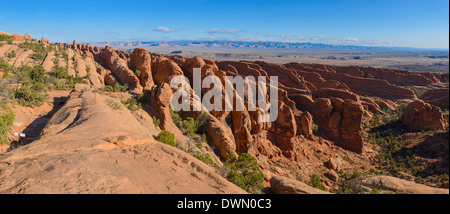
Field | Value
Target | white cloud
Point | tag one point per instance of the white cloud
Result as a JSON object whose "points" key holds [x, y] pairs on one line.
{"points": [[164, 30], [222, 31], [352, 40]]}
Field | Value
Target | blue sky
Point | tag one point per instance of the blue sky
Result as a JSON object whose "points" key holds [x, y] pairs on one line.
{"points": [[406, 23]]}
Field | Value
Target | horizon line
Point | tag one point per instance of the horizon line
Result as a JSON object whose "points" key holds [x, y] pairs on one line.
{"points": [[283, 42]]}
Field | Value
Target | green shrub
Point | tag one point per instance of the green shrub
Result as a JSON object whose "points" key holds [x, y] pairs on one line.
{"points": [[131, 104], [6, 121], [176, 118], [356, 174], [199, 145], [38, 56], [11, 54], [419, 180], [156, 121], [65, 56], [348, 187], [120, 88], [30, 83], [166, 137], [55, 61], [113, 104], [116, 88], [315, 182], [6, 38], [29, 97], [244, 172], [59, 72], [314, 128], [205, 158], [190, 126], [204, 138], [38, 48], [5, 67], [37, 74], [375, 191]]}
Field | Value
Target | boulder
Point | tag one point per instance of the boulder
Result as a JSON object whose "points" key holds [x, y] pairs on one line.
{"points": [[420, 116], [332, 175], [283, 185], [392, 184], [332, 164]]}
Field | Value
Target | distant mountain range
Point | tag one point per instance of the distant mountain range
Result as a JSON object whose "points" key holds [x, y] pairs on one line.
{"points": [[255, 45]]}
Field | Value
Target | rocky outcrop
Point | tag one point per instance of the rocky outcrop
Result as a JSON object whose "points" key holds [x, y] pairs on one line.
{"points": [[111, 60], [304, 125], [283, 185], [393, 185], [393, 76], [438, 97], [283, 130], [419, 116], [94, 148], [141, 61], [18, 38], [27, 36], [190, 64], [339, 93], [341, 121], [44, 41], [163, 70], [360, 85]]}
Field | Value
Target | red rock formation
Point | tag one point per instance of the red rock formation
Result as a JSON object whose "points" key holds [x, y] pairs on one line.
{"points": [[283, 130], [141, 60], [111, 60], [393, 76], [419, 116], [189, 65], [44, 41], [285, 76], [27, 36], [163, 70], [329, 92], [438, 97], [371, 105], [359, 85], [17, 38], [340, 120], [304, 125]]}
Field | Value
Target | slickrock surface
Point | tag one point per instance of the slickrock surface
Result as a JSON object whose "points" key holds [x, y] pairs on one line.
{"points": [[96, 149]]}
